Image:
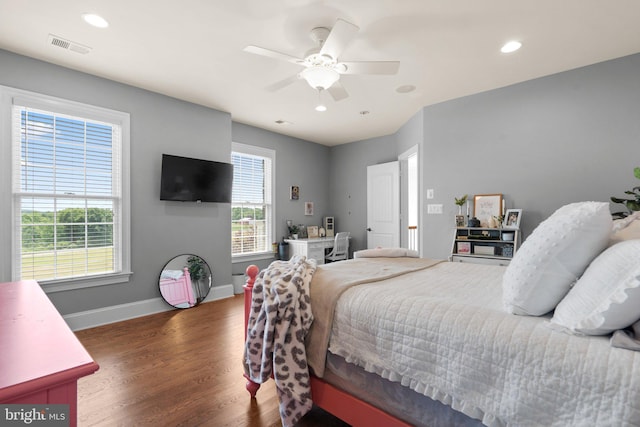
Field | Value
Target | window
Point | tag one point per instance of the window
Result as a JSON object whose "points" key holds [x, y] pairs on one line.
{"points": [[252, 210], [69, 191]]}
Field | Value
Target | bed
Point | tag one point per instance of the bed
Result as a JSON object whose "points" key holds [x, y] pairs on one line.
{"points": [[408, 341]]}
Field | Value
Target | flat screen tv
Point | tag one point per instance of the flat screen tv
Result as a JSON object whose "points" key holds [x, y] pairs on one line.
{"points": [[195, 180]]}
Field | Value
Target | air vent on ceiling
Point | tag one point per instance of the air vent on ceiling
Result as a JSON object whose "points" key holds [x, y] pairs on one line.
{"points": [[68, 45]]}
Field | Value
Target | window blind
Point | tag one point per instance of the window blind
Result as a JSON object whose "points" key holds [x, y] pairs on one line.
{"points": [[67, 195], [251, 208]]}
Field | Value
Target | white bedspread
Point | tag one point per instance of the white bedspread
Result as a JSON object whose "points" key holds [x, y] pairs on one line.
{"points": [[445, 334]]}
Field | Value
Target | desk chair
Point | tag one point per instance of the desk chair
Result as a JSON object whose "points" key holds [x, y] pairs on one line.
{"points": [[340, 248]]}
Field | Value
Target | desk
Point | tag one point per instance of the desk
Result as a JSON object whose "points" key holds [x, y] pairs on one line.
{"points": [[311, 248], [41, 360]]}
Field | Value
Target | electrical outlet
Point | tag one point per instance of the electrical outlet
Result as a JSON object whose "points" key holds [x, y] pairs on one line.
{"points": [[434, 209], [430, 193]]}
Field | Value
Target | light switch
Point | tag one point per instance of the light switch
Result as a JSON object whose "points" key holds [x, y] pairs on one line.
{"points": [[430, 193], [434, 209]]}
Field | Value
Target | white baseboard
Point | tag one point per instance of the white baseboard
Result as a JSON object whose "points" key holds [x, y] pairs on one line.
{"points": [[116, 313]]}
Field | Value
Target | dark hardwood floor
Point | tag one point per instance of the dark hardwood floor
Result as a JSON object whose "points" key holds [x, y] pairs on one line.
{"points": [[177, 368]]}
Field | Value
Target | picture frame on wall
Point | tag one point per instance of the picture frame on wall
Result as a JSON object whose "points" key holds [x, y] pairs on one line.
{"points": [[308, 208], [486, 206], [512, 218], [294, 192]]}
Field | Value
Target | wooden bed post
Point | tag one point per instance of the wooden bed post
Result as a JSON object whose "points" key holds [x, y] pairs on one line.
{"points": [[252, 272]]}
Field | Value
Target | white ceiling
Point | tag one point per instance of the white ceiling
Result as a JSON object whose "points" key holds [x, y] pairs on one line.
{"points": [[193, 50]]}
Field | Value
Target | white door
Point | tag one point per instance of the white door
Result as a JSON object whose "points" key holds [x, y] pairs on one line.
{"points": [[383, 205]]}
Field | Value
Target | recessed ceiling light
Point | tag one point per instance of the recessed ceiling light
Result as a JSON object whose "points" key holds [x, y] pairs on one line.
{"points": [[511, 46], [95, 20], [321, 107], [405, 88]]}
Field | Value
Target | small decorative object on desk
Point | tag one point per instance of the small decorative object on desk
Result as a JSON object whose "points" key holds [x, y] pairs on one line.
{"points": [[293, 230], [507, 251], [460, 218], [512, 218], [486, 206], [464, 247], [312, 231], [474, 222]]}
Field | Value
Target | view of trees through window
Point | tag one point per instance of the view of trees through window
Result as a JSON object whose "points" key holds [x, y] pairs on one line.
{"points": [[248, 228], [41, 232], [251, 220], [65, 196]]}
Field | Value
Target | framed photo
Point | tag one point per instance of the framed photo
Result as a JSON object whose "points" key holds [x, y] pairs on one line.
{"points": [[312, 231], [308, 208], [512, 218], [459, 220], [294, 193], [464, 248], [486, 206]]}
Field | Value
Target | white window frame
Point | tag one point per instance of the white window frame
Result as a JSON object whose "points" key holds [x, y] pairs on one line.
{"points": [[271, 214], [10, 96]]}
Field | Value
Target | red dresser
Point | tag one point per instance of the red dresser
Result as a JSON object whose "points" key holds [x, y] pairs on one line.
{"points": [[41, 359]]}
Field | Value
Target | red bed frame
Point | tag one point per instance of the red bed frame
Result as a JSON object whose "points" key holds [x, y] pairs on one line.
{"points": [[348, 408]]}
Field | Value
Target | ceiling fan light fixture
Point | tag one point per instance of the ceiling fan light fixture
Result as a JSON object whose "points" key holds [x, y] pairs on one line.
{"points": [[320, 77]]}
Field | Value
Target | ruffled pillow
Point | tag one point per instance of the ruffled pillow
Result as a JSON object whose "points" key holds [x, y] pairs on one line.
{"points": [[626, 229], [553, 257], [607, 296]]}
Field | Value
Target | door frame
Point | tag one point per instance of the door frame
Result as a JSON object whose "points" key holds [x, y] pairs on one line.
{"points": [[403, 159]]}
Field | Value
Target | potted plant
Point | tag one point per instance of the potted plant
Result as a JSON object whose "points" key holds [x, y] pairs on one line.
{"points": [[460, 218], [195, 265], [632, 204], [293, 231], [460, 202]]}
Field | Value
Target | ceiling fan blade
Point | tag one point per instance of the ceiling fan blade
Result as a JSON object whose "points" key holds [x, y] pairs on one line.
{"points": [[338, 39], [282, 83], [273, 54], [370, 67], [337, 91]]}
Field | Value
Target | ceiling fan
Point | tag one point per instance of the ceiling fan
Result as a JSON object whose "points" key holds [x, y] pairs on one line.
{"points": [[322, 68]]}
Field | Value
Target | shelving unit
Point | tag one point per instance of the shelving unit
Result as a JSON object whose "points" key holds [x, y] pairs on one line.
{"points": [[485, 245]]}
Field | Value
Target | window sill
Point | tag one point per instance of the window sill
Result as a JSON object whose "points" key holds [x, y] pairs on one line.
{"points": [[52, 286], [253, 257]]}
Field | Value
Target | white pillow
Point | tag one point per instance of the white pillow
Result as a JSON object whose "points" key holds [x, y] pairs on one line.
{"points": [[553, 257], [626, 229], [385, 253], [607, 296]]}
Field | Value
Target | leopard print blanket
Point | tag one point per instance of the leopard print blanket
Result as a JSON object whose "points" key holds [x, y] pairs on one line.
{"points": [[279, 321]]}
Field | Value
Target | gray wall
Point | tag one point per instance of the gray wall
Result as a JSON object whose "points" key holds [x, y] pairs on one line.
{"points": [[348, 183], [300, 163], [569, 137], [159, 229]]}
